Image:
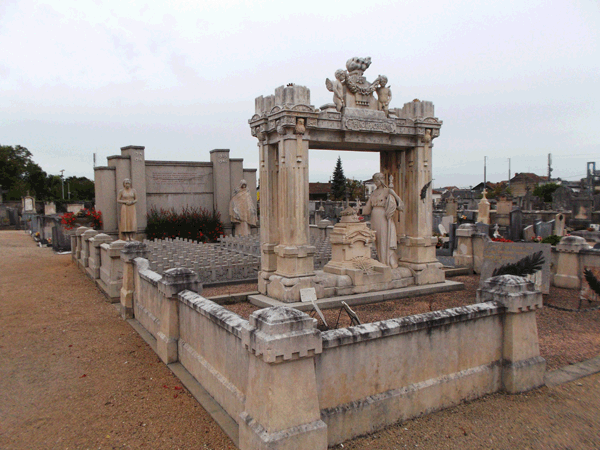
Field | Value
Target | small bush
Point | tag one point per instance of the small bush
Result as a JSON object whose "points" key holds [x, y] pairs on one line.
{"points": [[552, 239], [197, 224]]}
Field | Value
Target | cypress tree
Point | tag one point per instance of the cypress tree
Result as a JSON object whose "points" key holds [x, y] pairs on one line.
{"points": [[338, 183]]}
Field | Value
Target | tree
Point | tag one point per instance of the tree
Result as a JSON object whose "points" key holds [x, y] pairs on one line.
{"points": [[355, 189], [544, 191], [15, 162], [338, 183]]}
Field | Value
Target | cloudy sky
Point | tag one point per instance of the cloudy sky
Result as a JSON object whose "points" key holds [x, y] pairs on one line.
{"points": [[510, 79]]}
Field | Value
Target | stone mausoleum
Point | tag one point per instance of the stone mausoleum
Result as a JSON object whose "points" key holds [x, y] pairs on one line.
{"points": [[169, 184], [287, 126]]}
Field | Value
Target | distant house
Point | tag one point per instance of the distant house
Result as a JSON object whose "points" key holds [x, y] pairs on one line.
{"points": [[319, 191], [436, 196], [525, 182]]}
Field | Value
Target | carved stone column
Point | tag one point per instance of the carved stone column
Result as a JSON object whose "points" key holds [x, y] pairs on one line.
{"points": [[417, 249], [294, 252]]}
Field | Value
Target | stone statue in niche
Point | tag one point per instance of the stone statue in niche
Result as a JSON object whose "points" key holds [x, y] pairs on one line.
{"points": [[352, 90], [337, 87], [242, 210], [382, 205], [384, 95], [127, 197]]}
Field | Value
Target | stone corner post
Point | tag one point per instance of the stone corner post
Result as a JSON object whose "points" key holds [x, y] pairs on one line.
{"points": [[131, 250], [463, 255], [282, 406], [523, 368], [94, 260], [79, 242], [172, 283], [568, 270], [86, 251]]}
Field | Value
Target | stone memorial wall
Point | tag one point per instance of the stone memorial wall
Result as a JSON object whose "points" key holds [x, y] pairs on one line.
{"points": [[169, 184]]}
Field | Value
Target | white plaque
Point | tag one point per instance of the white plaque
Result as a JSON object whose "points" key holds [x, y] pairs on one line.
{"points": [[308, 295]]}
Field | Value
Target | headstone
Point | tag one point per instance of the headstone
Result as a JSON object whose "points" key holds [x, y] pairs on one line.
{"points": [[503, 209], [75, 207], [49, 208], [528, 233], [483, 213], [308, 295], [451, 208], [516, 224], [559, 224], [443, 231], [497, 254], [581, 216], [28, 204], [562, 199], [61, 242], [447, 221], [483, 228], [452, 236], [544, 229]]}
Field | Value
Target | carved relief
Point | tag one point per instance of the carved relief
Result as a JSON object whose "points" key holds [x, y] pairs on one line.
{"points": [[368, 125]]}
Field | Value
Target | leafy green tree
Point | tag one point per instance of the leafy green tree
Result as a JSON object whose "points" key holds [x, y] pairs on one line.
{"points": [[544, 191], [81, 188], [355, 189], [338, 183], [15, 162]]}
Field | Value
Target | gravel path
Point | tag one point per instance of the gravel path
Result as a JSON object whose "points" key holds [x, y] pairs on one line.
{"points": [[73, 375]]}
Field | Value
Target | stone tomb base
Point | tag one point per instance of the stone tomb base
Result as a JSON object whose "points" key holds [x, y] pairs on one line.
{"points": [[264, 301]]}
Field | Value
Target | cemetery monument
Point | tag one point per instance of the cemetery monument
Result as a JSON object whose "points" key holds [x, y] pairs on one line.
{"points": [[287, 126], [242, 211]]}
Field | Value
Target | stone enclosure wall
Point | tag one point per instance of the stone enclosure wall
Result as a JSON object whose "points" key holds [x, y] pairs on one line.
{"points": [[169, 184], [279, 378]]}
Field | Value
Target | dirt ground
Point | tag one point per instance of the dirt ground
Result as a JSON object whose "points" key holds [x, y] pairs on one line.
{"points": [[73, 375]]}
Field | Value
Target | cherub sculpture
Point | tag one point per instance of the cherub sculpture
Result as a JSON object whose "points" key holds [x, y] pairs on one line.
{"points": [[384, 95], [337, 87]]}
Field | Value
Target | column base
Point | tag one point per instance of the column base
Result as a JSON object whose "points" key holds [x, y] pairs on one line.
{"points": [[166, 348], [307, 436], [523, 376]]}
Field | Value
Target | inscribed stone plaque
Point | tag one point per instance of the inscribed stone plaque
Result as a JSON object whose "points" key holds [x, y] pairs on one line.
{"points": [[497, 254], [308, 295]]}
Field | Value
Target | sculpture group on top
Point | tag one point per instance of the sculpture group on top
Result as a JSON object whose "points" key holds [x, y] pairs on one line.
{"points": [[352, 90]]}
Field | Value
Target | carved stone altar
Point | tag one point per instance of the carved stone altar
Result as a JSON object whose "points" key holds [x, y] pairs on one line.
{"points": [[287, 125]]}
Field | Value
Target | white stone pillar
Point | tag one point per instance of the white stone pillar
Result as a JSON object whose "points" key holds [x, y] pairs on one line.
{"points": [[94, 260], [172, 283], [568, 267], [131, 250], [523, 368], [463, 255]]}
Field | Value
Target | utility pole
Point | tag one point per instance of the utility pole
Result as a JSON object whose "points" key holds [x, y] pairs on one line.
{"points": [[62, 182], [508, 172], [549, 166], [485, 173]]}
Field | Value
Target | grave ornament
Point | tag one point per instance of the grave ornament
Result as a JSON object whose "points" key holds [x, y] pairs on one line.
{"points": [[352, 90], [242, 210], [127, 197], [382, 205]]}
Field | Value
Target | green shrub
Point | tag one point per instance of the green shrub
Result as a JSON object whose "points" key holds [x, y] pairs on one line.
{"points": [[553, 239], [197, 224]]}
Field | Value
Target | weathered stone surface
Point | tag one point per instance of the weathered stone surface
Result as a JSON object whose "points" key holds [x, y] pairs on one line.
{"points": [[497, 254]]}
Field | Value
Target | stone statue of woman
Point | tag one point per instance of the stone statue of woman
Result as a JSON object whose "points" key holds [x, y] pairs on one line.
{"points": [[382, 205], [242, 210], [127, 197]]}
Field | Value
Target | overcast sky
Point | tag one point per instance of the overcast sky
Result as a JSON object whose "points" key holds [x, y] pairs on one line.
{"points": [[509, 79]]}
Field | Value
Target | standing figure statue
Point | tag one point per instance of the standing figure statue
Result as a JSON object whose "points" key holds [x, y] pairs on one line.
{"points": [[337, 87], [127, 197], [382, 205], [384, 95], [242, 210]]}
